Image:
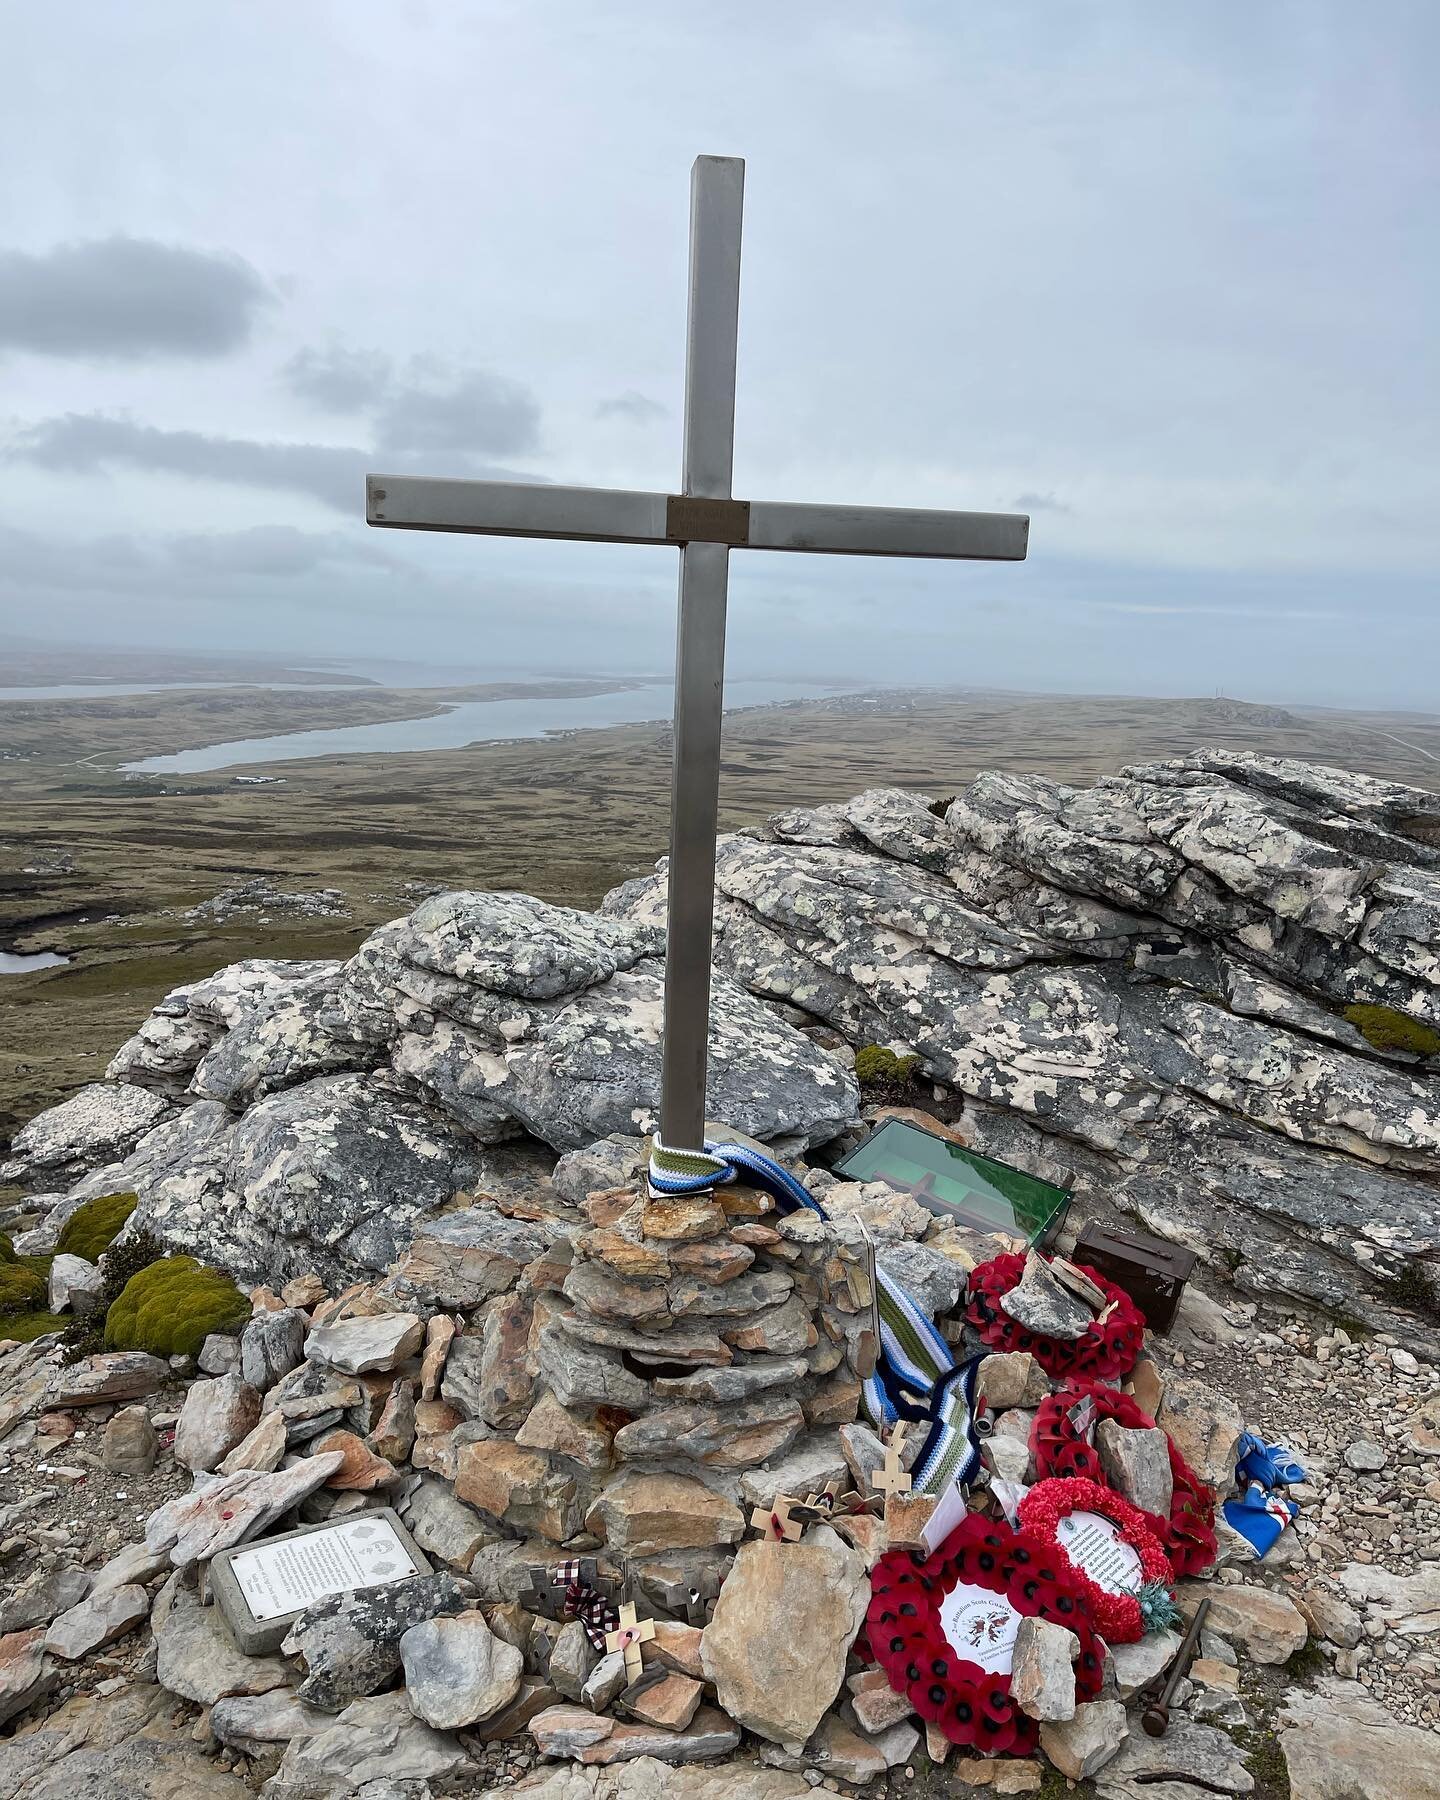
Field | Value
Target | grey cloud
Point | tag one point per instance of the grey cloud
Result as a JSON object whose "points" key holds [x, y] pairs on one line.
{"points": [[83, 442], [343, 381], [187, 565], [1041, 503], [127, 299], [639, 408], [437, 409], [333, 474], [425, 406], [274, 551]]}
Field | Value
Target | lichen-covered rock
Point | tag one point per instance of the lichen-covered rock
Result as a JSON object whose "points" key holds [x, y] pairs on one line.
{"points": [[1143, 984], [572, 1070], [293, 1035], [351, 1642], [500, 1014], [1199, 990], [178, 1168], [101, 1123]]}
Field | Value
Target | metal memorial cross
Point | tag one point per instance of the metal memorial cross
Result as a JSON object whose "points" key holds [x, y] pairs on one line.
{"points": [[705, 523]]}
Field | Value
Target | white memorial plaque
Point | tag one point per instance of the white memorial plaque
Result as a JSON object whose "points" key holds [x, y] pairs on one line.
{"points": [[1095, 1545], [981, 1626], [283, 1577]]}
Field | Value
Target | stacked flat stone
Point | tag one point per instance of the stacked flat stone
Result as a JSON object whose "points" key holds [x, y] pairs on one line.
{"points": [[690, 1342]]}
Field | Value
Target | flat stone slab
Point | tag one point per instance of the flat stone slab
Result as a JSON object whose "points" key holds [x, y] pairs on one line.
{"points": [[262, 1588]]}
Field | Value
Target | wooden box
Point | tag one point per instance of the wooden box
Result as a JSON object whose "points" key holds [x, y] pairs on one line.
{"points": [[1152, 1272]]}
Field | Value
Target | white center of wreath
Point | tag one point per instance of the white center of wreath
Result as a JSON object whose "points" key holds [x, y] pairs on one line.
{"points": [[1095, 1545], [980, 1626]]}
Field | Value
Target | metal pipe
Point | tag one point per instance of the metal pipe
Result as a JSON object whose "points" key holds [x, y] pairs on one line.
{"points": [[717, 186]]}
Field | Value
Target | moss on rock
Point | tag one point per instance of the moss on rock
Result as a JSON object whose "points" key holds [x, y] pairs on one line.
{"points": [[875, 1066], [1385, 1029], [24, 1290], [93, 1227], [171, 1307]]}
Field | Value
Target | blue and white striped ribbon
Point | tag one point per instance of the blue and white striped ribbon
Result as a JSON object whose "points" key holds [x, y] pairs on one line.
{"points": [[916, 1377]]}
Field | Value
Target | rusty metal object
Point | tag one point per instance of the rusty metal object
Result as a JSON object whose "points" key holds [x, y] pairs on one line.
{"points": [[1156, 1717]]}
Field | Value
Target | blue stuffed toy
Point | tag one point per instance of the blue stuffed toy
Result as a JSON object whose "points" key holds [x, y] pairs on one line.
{"points": [[1260, 1512]]}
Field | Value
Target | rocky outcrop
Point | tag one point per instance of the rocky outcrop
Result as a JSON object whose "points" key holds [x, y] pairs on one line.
{"points": [[286, 1117], [1142, 987], [100, 1123], [1143, 984]]}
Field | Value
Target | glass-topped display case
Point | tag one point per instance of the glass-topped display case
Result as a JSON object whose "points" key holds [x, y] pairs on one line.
{"points": [[958, 1183]]}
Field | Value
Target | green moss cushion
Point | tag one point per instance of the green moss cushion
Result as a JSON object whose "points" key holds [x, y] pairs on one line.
{"points": [[24, 1328], [22, 1286], [874, 1065], [92, 1228], [24, 1292], [170, 1308]]}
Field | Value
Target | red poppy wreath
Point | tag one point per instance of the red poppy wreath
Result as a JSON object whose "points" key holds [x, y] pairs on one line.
{"points": [[1109, 1347], [1061, 1448], [943, 1629], [1117, 1559]]}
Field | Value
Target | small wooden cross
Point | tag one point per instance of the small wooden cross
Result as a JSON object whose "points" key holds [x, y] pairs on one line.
{"points": [[774, 1521], [629, 1635], [892, 1479], [821, 1505]]}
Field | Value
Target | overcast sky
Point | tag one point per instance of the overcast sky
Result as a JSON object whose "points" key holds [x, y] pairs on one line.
{"points": [[1164, 276]]}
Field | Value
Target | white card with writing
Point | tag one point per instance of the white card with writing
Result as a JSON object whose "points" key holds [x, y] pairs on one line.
{"points": [[980, 1626], [280, 1578], [1093, 1544], [950, 1510]]}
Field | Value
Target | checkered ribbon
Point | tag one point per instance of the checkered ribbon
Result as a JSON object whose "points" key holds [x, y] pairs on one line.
{"points": [[597, 1615]]}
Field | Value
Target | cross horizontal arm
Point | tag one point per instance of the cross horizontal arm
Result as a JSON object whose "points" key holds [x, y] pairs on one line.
{"points": [[629, 516], [515, 509], [887, 531]]}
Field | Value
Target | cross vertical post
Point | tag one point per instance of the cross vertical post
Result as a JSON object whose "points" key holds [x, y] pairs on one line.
{"points": [[717, 186]]}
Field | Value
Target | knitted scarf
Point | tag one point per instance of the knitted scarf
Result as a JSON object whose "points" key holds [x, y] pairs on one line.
{"points": [[916, 1377]]}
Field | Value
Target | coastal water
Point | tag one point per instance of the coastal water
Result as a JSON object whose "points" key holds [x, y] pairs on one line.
{"points": [[474, 722]]}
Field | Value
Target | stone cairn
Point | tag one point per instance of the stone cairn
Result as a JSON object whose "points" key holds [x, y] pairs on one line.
{"points": [[622, 1398], [569, 1385]]}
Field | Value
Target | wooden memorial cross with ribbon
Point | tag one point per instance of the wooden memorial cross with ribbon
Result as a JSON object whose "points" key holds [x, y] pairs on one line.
{"points": [[628, 1636], [774, 1521]]}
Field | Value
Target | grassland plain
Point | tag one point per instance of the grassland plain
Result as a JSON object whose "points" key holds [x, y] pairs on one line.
{"points": [[110, 870]]}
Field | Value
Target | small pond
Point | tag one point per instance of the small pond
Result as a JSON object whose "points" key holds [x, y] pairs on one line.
{"points": [[24, 962]]}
